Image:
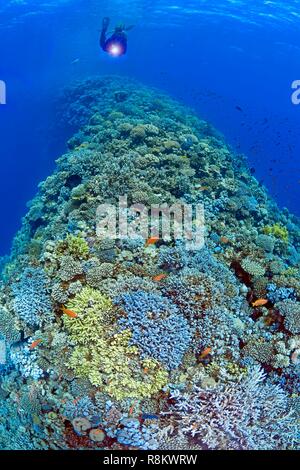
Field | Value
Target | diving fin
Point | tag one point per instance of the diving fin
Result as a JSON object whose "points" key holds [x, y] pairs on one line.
{"points": [[105, 23]]}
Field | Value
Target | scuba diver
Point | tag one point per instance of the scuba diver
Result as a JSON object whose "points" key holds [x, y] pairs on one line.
{"points": [[116, 44]]}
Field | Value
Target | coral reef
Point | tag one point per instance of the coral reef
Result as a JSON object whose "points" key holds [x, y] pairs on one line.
{"points": [[137, 342], [157, 328], [247, 415], [31, 299]]}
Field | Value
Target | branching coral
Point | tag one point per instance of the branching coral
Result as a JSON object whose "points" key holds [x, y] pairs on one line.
{"points": [[105, 357], [251, 414], [69, 268], [8, 328], [74, 246], [115, 367], [157, 328], [134, 435], [25, 361], [278, 294], [291, 312], [83, 407], [278, 231], [31, 298]]}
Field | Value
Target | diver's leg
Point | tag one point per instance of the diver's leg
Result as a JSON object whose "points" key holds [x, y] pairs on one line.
{"points": [[103, 39], [105, 25]]}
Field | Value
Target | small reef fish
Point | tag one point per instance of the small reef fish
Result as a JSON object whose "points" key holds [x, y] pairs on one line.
{"points": [[202, 188], [159, 277], [224, 240], [152, 241], [131, 409], [259, 303], [70, 313], [35, 344], [205, 353]]}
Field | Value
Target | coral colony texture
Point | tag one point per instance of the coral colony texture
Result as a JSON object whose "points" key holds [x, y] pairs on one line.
{"points": [[130, 344]]}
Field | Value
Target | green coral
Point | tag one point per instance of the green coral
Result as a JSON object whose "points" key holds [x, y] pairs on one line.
{"points": [[106, 357], [74, 246], [95, 313], [278, 231]]}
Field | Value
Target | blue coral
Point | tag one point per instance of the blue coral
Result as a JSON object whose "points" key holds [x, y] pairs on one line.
{"points": [[25, 361], [134, 435], [84, 407], [158, 329], [278, 294], [32, 300]]}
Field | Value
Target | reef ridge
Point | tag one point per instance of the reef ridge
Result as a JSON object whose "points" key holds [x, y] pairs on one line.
{"points": [[134, 344]]}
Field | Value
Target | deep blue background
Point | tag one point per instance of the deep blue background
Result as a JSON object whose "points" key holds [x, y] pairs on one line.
{"points": [[235, 72]]}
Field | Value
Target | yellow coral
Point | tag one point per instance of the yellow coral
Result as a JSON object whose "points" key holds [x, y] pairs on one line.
{"points": [[278, 231], [74, 246], [106, 357]]}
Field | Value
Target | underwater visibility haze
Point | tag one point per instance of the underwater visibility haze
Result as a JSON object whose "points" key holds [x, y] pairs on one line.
{"points": [[150, 236]]}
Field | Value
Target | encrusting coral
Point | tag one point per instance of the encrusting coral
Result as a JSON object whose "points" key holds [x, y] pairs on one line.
{"points": [[136, 343]]}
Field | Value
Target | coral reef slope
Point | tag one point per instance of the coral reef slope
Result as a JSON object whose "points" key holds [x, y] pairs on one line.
{"points": [[134, 342]]}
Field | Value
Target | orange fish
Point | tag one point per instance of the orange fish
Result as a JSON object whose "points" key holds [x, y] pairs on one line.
{"points": [[205, 353], [203, 188], [70, 313], [131, 409], [152, 241], [224, 240], [98, 431], [259, 303], [35, 344], [159, 277]]}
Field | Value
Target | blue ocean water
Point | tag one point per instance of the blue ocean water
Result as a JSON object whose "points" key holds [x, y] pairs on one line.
{"points": [[232, 61]]}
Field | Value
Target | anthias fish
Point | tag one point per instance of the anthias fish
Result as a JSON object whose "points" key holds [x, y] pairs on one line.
{"points": [[152, 241], [159, 277], [69, 312], [259, 302], [205, 353], [35, 344]]}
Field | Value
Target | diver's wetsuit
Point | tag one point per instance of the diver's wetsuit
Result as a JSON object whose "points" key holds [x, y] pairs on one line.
{"points": [[118, 39]]}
